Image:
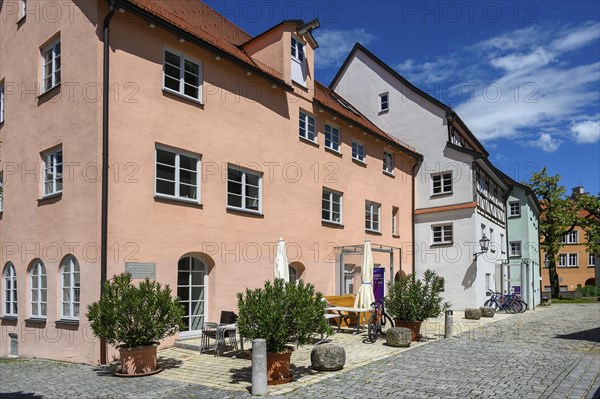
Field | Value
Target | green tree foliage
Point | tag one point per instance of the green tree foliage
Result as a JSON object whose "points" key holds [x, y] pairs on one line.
{"points": [[412, 299], [559, 217], [130, 316], [282, 313]]}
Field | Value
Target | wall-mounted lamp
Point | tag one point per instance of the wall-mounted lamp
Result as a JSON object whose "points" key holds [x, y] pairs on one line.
{"points": [[484, 244], [181, 40], [152, 26]]}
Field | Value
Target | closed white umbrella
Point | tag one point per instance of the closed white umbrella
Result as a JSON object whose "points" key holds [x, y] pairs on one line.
{"points": [[365, 296], [281, 262]]}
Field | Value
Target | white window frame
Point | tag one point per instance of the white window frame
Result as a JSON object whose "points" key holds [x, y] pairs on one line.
{"points": [[573, 260], [492, 244], [245, 172], [51, 156], [1, 192], [332, 132], [388, 163], [305, 132], [2, 102], [513, 252], [591, 260], [356, 151], [55, 72], [298, 61], [384, 102], [443, 188], [178, 153], [331, 194], [9, 299], [73, 304], [294, 274], [372, 209], [563, 260], [182, 83], [42, 288], [395, 211], [571, 237], [22, 9], [298, 50], [443, 228], [514, 211], [502, 244]]}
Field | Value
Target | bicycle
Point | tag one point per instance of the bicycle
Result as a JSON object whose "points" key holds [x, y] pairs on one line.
{"points": [[508, 303], [378, 320]]}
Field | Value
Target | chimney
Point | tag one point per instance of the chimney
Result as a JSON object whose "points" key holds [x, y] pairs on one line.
{"points": [[578, 191]]}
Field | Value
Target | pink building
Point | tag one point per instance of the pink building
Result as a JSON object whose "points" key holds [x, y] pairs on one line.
{"points": [[220, 143]]}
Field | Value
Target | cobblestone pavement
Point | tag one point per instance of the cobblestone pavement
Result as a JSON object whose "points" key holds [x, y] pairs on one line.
{"points": [[552, 352]]}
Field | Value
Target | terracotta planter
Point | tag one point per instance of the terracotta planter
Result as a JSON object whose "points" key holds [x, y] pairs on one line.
{"points": [[138, 361], [278, 367], [414, 326]]}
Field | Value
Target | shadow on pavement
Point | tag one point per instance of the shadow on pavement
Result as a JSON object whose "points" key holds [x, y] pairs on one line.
{"points": [[592, 335], [163, 363], [19, 395]]}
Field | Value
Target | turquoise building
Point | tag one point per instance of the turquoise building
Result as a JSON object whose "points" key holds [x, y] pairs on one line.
{"points": [[520, 269]]}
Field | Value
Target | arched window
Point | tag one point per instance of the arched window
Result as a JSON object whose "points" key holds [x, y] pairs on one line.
{"points": [[10, 290], [293, 274], [69, 289], [39, 306]]}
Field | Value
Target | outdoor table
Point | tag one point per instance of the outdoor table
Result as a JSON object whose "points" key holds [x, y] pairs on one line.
{"points": [[221, 330], [341, 309]]}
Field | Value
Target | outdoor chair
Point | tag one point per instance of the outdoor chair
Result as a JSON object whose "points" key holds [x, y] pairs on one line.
{"points": [[211, 329]]}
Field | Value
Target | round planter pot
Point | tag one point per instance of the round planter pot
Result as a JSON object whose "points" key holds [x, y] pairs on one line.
{"points": [[414, 326], [138, 361], [278, 367]]}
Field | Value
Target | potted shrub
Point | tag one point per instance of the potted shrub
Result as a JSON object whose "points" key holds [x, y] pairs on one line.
{"points": [[133, 319], [282, 314], [411, 301]]}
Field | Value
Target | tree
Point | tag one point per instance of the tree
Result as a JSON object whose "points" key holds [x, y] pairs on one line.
{"points": [[559, 217], [590, 222]]}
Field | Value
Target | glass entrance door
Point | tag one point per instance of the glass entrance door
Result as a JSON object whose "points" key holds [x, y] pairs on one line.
{"points": [[191, 291]]}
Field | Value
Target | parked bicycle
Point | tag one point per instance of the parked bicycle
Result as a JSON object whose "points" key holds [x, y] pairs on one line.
{"points": [[509, 303], [378, 320]]}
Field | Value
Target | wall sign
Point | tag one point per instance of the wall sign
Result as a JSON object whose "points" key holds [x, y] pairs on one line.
{"points": [[378, 282], [141, 270]]}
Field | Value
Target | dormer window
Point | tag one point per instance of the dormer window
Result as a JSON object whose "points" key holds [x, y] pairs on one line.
{"points": [[298, 62]]}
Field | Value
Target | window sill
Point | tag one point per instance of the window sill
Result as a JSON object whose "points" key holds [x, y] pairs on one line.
{"points": [[309, 141], [334, 152], [300, 85], [166, 198], [67, 322], [395, 235], [9, 318], [50, 196], [35, 320], [375, 232], [244, 211], [438, 195], [390, 174], [328, 223], [514, 216], [49, 92], [442, 244], [359, 162], [182, 96], [383, 111]]}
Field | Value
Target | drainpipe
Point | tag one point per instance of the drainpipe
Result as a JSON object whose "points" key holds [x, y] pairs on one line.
{"points": [[104, 215], [412, 219]]}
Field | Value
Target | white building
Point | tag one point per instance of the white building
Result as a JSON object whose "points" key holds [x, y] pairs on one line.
{"points": [[460, 196]]}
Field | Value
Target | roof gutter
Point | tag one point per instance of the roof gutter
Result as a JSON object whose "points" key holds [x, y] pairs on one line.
{"points": [[191, 38], [104, 211]]}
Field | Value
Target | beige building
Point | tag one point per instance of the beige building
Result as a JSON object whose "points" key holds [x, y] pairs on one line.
{"points": [[218, 143]]}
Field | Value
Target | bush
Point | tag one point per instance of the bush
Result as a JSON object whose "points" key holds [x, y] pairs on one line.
{"points": [[589, 290], [130, 316], [282, 313], [411, 299]]}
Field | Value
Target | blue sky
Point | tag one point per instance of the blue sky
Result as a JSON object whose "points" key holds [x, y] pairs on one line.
{"points": [[524, 76]]}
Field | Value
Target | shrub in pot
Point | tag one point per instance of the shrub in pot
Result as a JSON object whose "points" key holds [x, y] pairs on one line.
{"points": [[282, 314], [411, 301], [134, 318]]}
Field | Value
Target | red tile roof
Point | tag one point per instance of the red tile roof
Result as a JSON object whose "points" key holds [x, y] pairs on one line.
{"points": [[204, 23]]}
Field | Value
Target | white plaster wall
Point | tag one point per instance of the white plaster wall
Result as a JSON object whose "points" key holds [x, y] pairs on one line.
{"points": [[488, 262]]}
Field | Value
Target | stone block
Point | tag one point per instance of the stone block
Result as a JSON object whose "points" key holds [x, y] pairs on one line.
{"points": [[487, 311], [328, 357], [472, 314], [399, 337]]}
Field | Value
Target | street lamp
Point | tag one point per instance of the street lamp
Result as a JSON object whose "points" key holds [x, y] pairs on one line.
{"points": [[484, 244]]}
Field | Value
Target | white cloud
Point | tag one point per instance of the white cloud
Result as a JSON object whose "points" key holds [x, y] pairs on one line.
{"points": [[334, 45], [546, 142], [517, 61], [577, 38], [586, 132], [438, 70]]}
